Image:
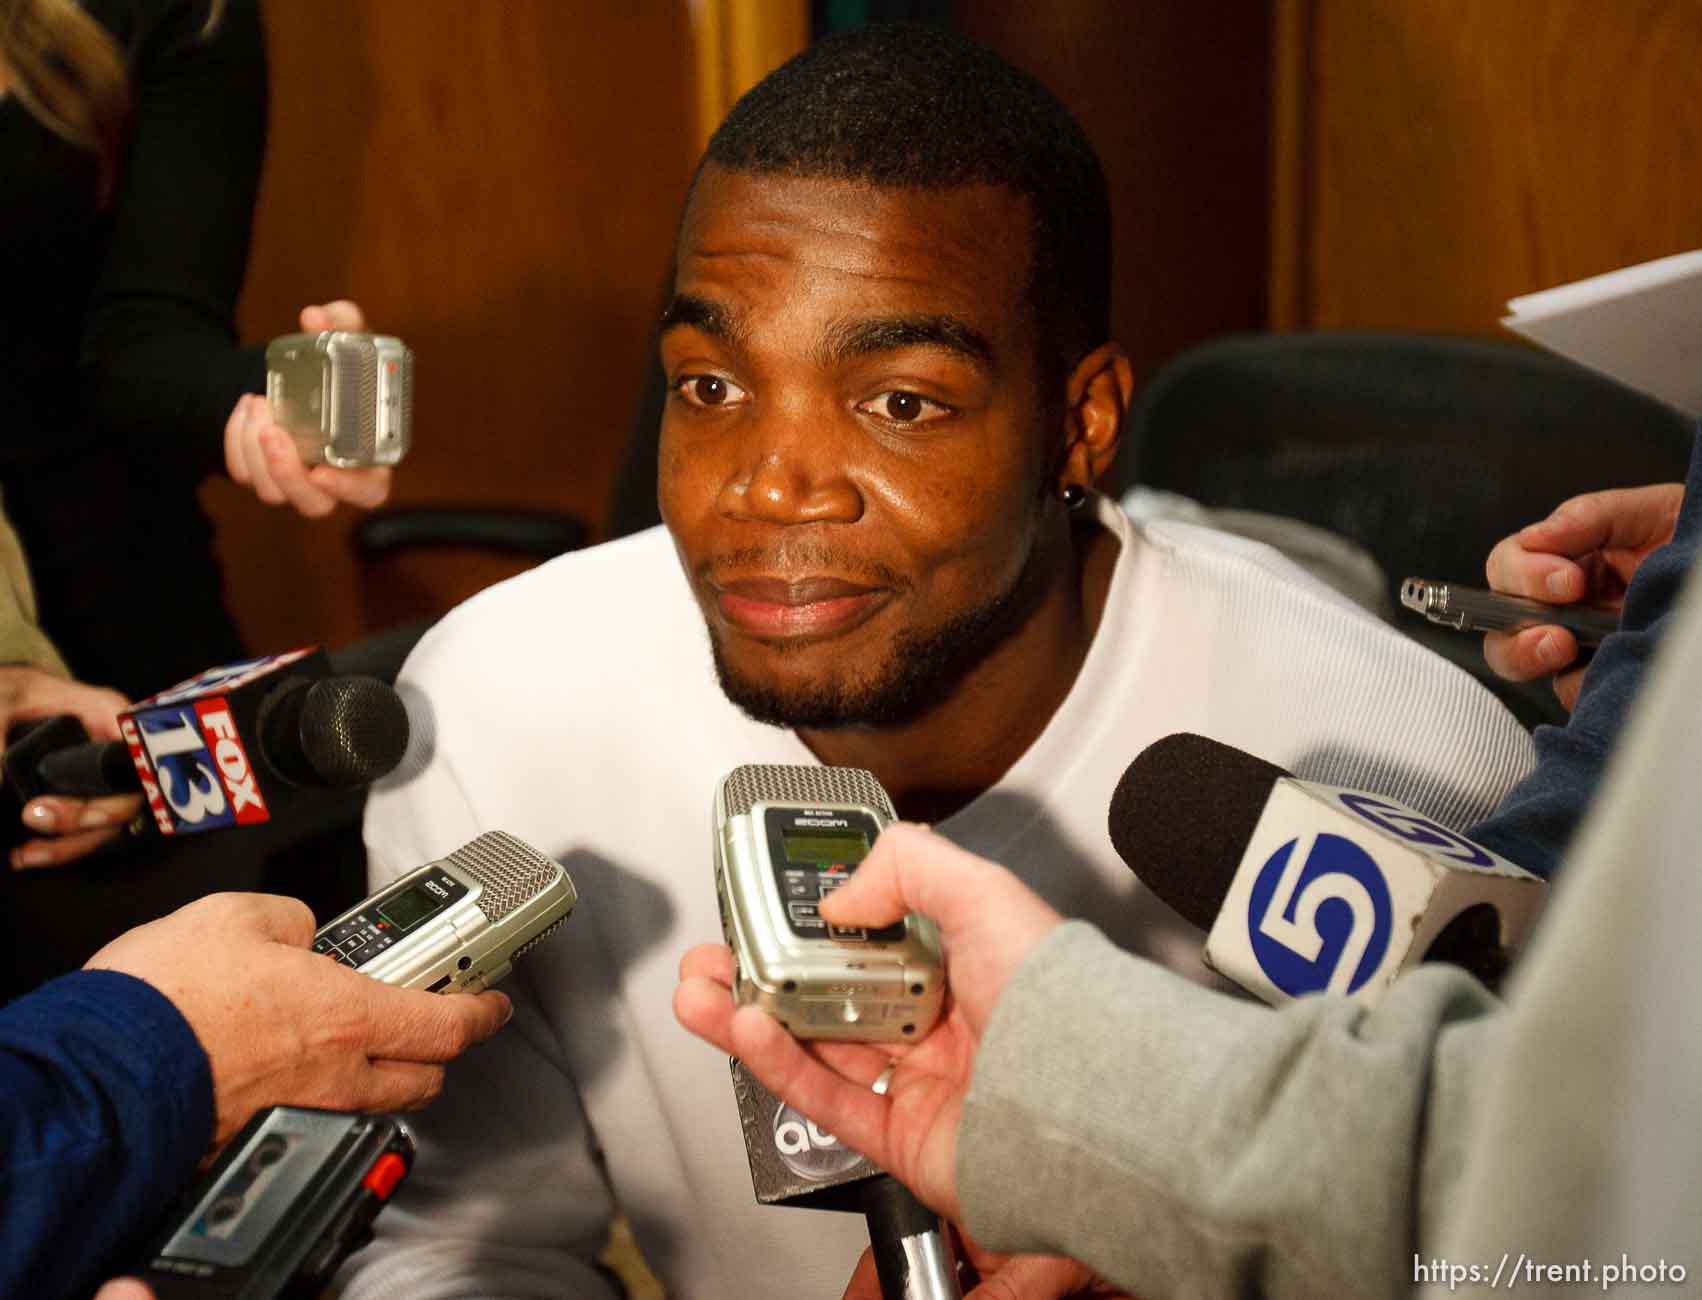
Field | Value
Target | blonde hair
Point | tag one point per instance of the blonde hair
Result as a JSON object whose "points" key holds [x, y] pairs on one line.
{"points": [[68, 71]]}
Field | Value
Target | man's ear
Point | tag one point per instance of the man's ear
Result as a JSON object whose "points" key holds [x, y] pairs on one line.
{"points": [[1097, 397]]}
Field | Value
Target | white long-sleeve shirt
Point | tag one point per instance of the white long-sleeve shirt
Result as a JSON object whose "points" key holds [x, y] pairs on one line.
{"points": [[576, 706]]}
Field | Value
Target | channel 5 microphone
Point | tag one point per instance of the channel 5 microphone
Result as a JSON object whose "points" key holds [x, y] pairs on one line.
{"points": [[236, 745], [1307, 888]]}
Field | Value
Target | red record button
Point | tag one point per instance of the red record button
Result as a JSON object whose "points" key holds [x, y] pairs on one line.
{"points": [[388, 1170]]}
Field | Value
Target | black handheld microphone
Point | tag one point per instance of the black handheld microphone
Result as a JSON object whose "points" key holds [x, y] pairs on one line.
{"points": [[912, 1256], [794, 1162], [1304, 887], [239, 744], [337, 733], [89, 769]]}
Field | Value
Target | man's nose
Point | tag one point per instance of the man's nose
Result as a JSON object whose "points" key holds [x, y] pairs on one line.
{"points": [[792, 472]]}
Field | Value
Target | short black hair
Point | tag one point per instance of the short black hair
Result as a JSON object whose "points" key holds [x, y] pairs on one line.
{"points": [[918, 106]]}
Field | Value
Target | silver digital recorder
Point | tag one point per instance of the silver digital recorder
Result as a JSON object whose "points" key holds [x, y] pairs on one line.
{"points": [[454, 925], [786, 837], [347, 397]]}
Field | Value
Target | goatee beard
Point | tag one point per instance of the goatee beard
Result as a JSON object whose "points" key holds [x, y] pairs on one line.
{"points": [[921, 671]]}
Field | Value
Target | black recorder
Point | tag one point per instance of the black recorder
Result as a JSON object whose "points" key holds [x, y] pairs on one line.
{"points": [[785, 838], [292, 1196]]}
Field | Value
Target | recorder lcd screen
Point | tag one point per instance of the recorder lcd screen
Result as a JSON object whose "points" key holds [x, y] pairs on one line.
{"points": [[822, 850], [409, 907]]}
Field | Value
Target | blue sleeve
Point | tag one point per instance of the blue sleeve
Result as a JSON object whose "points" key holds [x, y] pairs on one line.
{"points": [[106, 1105], [1535, 823]]}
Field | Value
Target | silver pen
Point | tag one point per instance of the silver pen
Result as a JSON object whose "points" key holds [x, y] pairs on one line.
{"points": [[1472, 609]]}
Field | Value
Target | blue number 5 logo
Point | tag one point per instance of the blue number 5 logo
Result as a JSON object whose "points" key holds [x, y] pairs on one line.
{"points": [[1319, 916]]}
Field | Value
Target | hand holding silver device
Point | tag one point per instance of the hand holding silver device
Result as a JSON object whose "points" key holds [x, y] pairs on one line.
{"points": [[454, 925], [1471, 609], [785, 837], [347, 397]]}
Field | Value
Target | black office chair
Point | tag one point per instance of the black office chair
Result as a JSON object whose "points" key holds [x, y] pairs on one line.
{"points": [[1425, 450]]}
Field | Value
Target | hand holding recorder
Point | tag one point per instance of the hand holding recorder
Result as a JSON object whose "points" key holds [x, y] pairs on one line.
{"points": [[785, 837], [353, 1025], [263, 455], [989, 922], [284, 1026], [1584, 553]]}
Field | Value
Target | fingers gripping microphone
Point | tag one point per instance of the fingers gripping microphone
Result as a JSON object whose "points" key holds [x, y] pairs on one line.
{"points": [[1308, 888], [238, 744]]}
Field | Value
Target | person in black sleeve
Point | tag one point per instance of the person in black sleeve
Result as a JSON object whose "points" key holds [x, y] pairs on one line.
{"points": [[131, 138]]}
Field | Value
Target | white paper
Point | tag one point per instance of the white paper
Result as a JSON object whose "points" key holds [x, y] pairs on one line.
{"points": [[1641, 325]]}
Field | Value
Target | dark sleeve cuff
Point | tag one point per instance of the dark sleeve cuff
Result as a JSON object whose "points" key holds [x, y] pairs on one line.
{"points": [[224, 378]]}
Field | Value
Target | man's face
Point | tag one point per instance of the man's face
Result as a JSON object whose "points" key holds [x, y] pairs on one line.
{"points": [[854, 451]]}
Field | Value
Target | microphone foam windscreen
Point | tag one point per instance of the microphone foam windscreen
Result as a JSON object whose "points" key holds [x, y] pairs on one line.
{"points": [[1182, 815], [353, 730]]}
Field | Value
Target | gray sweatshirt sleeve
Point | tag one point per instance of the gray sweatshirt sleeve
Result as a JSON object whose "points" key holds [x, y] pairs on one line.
{"points": [[1586, 1155], [1184, 1143]]}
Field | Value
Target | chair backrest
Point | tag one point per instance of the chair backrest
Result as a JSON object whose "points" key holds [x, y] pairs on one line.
{"points": [[1426, 450]]}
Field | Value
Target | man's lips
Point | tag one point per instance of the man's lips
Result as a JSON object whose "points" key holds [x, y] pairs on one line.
{"points": [[776, 608]]}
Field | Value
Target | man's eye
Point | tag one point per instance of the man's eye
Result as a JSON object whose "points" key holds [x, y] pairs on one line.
{"points": [[709, 390], [901, 407]]}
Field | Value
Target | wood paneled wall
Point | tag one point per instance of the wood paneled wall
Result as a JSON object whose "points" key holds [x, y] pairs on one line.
{"points": [[497, 183], [1435, 157], [738, 43], [1174, 96]]}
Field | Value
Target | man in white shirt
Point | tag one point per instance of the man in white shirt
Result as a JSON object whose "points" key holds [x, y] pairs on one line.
{"points": [[891, 392]]}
